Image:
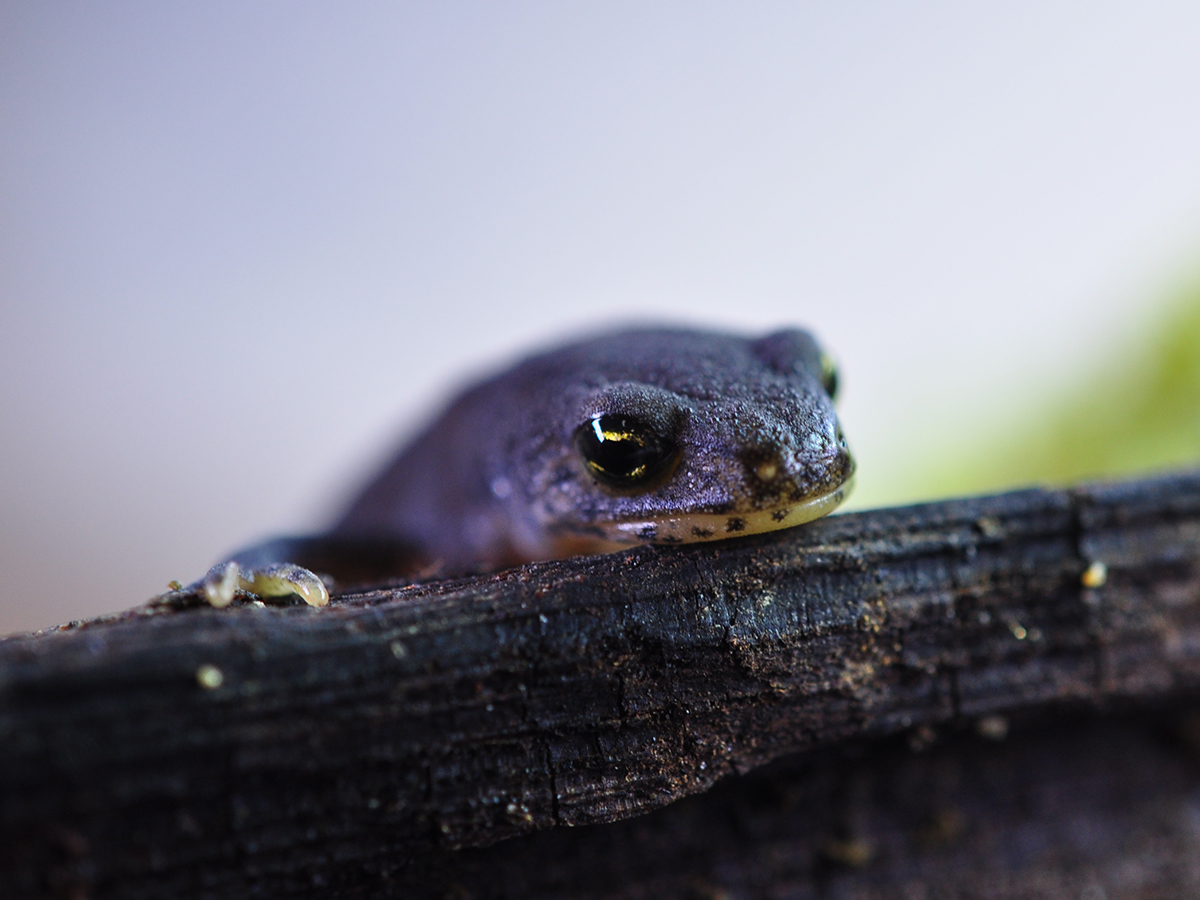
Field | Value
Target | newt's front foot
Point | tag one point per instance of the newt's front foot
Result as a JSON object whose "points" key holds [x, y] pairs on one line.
{"points": [[224, 580]]}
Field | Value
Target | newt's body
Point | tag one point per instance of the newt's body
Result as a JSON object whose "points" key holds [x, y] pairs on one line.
{"points": [[641, 436]]}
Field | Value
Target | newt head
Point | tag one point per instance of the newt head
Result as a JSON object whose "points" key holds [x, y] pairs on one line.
{"points": [[688, 436]]}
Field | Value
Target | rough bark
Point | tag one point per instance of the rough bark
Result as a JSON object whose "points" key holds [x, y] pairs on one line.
{"points": [[355, 749], [1079, 807]]}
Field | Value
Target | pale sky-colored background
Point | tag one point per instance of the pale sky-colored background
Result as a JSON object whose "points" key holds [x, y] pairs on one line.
{"points": [[245, 247]]}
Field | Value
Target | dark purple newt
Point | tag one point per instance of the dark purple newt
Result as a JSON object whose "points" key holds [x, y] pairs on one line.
{"points": [[641, 436]]}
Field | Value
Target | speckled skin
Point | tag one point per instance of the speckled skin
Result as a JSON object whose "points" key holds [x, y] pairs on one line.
{"points": [[498, 478]]}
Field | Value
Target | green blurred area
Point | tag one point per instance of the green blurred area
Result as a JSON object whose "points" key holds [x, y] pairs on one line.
{"points": [[1136, 410]]}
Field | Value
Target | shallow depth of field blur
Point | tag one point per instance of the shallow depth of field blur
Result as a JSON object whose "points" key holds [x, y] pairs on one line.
{"points": [[1133, 407], [246, 248]]}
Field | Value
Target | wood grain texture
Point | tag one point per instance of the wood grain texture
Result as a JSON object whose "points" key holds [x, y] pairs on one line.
{"points": [[362, 745], [1071, 807]]}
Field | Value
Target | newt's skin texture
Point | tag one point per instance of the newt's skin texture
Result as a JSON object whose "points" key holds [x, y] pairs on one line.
{"points": [[641, 436]]}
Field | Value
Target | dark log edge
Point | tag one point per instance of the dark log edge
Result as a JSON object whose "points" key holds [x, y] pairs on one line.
{"points": [[176, 750]]}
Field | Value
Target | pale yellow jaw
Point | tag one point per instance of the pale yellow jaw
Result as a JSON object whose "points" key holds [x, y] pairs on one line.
{"points": [[693, 527]]}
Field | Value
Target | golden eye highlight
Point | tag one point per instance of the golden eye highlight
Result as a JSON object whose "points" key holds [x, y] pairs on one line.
{"points": [[622, 452]]}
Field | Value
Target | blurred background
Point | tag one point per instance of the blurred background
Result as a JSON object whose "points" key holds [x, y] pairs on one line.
{"points": [[245, 248]]}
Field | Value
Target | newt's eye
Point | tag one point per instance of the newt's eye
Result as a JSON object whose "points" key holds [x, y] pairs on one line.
{"points": [[829, 379], [622, 452]]}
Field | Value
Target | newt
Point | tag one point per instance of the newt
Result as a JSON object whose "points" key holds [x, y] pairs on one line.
{"points": [[661, 436]]}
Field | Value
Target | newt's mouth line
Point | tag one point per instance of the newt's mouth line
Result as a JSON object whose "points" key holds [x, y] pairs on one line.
{"points": [[693, 527]]}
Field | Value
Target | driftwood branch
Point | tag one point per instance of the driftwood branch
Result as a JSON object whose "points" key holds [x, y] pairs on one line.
{"points": [[192, 752]]}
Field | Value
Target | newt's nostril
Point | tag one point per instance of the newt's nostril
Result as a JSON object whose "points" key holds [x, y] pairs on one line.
{"points": [[766, 470], [764, 465]]}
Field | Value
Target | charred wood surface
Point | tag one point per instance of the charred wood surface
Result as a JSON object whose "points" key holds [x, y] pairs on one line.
{"points": [[1074, 808], [357, 749]]}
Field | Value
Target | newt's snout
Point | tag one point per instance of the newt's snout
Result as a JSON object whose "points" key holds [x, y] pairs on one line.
{"points": [[774, 475]]}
